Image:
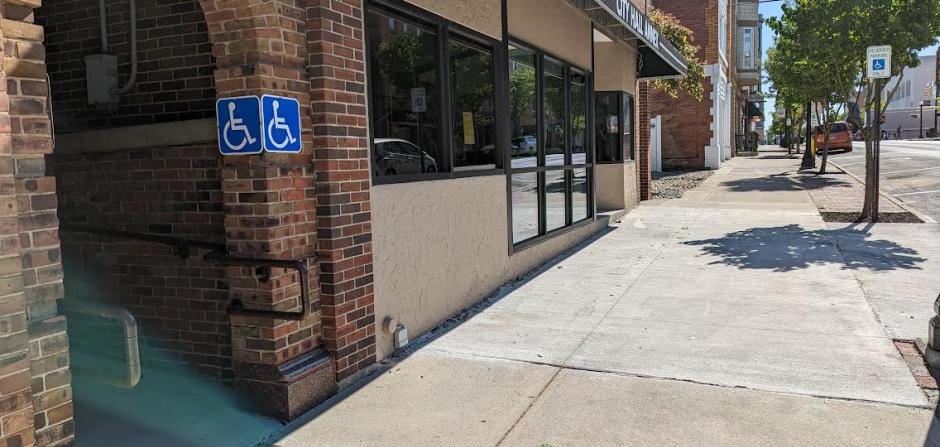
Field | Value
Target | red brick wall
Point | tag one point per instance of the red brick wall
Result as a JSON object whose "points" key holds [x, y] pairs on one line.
{"points": [[643, 138], [175, 68], [175, 191], [686, 128], [344, 211], [686, 121]]}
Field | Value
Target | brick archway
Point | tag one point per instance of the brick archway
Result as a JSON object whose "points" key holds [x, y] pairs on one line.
{"points": [[315, 204]]}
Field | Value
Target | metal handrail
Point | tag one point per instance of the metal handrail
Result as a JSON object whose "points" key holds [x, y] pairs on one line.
{"points": [[128, 325], [181, 244], [236, 307], [219, 255]]}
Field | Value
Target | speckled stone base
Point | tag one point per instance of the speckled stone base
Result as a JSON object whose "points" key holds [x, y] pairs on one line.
{"points": [[287, 391]]}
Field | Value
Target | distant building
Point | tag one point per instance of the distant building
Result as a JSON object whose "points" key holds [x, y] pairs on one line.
{"points": [[914, 87]]}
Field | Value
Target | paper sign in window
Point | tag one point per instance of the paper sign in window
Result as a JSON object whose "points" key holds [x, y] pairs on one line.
{"points": [[468, 137]]}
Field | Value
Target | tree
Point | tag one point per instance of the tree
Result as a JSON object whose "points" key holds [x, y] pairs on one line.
{"points": [[806, 64], [819, 56], [907, 26], [681, 38]]}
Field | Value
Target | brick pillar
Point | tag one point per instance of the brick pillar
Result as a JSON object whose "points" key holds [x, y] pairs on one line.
{"points": [[36, 230], [270, 209], [643, 116], [16, 403], [338, 99]]}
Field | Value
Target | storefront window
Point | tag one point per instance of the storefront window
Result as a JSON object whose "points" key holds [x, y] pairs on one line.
{"points": [[607, 119], [554, 106], [613, 126], [555, 194], [472, 75], [551, 179], [525, 206], [580, 205], [578, 95], [405, 83], [522, 103], [419, 128]]}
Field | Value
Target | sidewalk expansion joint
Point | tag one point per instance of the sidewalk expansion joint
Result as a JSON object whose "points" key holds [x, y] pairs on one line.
{"points": [[691, 381]]}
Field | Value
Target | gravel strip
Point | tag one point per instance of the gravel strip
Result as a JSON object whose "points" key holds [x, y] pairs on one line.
{"points": [[672, 184]]}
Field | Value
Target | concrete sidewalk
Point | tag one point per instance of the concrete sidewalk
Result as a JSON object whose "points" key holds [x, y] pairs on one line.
{"points": [[732, 316]]}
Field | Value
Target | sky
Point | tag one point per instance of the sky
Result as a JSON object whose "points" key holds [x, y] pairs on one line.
{"points": [[767, 40]]}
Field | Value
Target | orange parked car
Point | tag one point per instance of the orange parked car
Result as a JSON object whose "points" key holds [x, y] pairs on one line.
{"points": [[840, 137]]}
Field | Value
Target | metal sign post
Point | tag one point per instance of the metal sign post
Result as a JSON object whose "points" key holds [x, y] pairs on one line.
{"points": [[878, 67]]}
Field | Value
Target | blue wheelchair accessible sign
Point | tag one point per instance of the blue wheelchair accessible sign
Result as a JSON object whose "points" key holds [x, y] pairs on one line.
{"points": [[878, 64], [280, 118], [239, 123]]}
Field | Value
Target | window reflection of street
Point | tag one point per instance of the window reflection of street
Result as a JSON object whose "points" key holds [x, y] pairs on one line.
{"points": [[525, 206], [552, 140]]}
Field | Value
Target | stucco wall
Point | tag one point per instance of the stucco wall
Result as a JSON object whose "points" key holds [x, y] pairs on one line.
{"points": [[614, 67], [610, 186], [483, 16], [553, 26], [631, 185], [617, 186], [442, 246]]}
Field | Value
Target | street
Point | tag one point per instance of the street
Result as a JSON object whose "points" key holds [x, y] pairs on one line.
{"points": [[910, 170]]}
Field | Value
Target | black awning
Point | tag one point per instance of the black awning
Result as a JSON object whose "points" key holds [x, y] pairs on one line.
{"points": [[753, 110], [659, 58]]}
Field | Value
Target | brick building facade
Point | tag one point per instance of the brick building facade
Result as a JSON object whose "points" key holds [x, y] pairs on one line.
{"points": [[128, 207], [699, 134]]}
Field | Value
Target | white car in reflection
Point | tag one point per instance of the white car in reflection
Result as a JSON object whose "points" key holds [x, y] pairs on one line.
{"points": [[394, 156], [525, 145]]}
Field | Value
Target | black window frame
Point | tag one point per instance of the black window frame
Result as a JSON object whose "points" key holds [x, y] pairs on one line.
{"points": [[445, 30], [540, 168]]}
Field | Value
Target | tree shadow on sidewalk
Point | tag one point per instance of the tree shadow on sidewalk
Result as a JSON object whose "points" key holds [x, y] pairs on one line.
{"points": [[785, 182], [791, 247]]}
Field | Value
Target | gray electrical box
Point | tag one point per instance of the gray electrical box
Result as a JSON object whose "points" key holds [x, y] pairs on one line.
{"points": [[101, 71]]}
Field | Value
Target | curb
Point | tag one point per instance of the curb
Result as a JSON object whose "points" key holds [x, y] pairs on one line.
{"points": [[925, 218]]}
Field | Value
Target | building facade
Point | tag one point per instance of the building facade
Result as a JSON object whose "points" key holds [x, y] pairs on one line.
{"points": [[749, 119], [915, 88], [447, 148], [700, 134]]}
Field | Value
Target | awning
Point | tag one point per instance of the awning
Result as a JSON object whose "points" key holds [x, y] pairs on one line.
{"points": [[660, 60], [753, 110]]}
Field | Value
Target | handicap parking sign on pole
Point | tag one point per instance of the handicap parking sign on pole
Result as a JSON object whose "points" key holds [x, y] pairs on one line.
{"points": [[239, 124], [280, 118]]}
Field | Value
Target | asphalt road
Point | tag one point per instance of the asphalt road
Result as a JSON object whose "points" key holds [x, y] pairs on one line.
{"points": [[910, 170]]}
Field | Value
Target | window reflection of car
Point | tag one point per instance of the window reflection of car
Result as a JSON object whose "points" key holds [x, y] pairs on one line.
{"points": [[395, 156], [527, 145]]}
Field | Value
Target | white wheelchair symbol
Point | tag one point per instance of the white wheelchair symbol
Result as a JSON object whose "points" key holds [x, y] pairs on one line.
{"points": [[281, 124], [236, 125]]}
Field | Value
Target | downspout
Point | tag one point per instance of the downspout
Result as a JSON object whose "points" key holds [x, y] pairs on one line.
{"points": [[132, 80], [103, 21]]}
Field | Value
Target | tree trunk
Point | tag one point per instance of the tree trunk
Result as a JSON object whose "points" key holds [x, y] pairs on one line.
{"points": [[825, 155]]}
